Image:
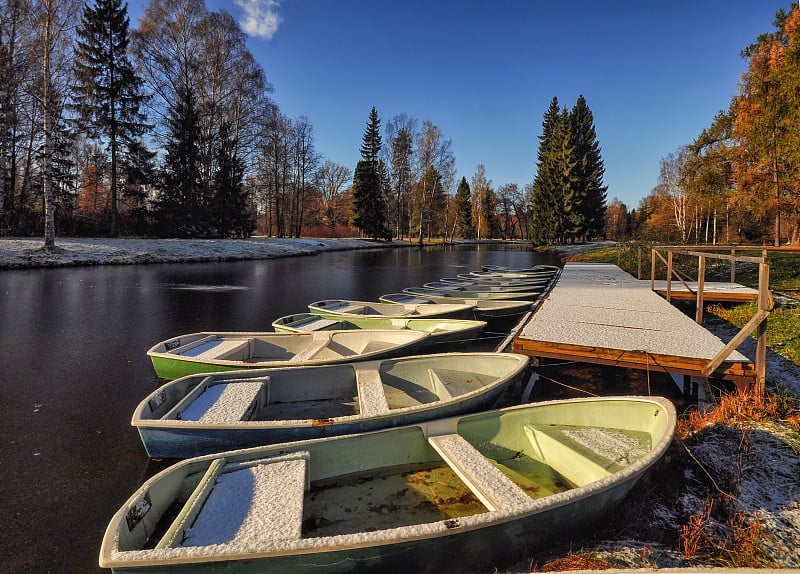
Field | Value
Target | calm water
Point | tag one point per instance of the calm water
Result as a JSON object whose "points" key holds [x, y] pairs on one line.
{"points": [[73, 367]]}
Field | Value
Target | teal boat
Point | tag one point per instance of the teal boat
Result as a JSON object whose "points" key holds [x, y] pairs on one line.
{"points": [[212, 352], [483, 309], [443, 294], [442, 310], [212, 412], [473, 492], [442, 331]]}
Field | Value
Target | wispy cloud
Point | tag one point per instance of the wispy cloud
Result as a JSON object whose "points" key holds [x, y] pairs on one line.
{"points": [[261, 18]]}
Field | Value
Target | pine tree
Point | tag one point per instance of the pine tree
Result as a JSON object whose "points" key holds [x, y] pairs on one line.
{"points": [[369, 207], [369, 211], [180, 207], [546, 197], [231, 216], [371, 141], [589, 172], [109, 92], [463, 209]]}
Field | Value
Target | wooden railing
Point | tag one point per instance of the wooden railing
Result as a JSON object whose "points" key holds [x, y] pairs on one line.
{"points": [[757, 323]]}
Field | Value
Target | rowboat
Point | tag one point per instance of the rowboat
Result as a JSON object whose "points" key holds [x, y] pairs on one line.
{"points": [[210, 352], [484, 287], [484, 309], [504, 269], [508, 282], [441, 331], [474, 491], [427, 291], [207, 413], [449, 310]]}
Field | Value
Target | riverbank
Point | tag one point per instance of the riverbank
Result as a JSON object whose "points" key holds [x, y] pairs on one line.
{"points": [[29, 253], [726, 495]]}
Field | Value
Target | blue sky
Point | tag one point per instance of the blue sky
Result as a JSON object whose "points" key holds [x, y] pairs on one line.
{"points": [[654, 73]]}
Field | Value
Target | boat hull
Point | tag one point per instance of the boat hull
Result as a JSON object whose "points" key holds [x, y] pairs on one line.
{"points": [[596, 461], [299, 403]]}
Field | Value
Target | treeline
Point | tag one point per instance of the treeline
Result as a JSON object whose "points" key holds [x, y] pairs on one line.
{"points": [[739, 180], [169, 129]]}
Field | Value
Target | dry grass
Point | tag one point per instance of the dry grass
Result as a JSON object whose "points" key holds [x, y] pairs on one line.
{"points": [[582, 561]]}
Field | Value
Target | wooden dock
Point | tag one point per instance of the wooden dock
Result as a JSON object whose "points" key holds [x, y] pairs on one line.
{"points": [[597, 313]]}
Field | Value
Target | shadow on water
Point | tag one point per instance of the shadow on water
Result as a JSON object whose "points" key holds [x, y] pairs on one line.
{"points": [[74, 367]]}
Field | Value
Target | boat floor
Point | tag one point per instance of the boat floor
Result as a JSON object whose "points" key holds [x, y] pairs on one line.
{"points": [[314, 409], [415, 494]]}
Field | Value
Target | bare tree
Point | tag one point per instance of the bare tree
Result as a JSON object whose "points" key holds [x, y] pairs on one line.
{"points": [[400, 132], [55, 20], [330, 181], [671, 187], [434, 156]]}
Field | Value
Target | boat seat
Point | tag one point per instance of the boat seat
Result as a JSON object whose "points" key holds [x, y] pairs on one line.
{"points": [[351, 309], [371, 396], [216, 348], [239, 505], [439, 387], [578, 461], [312, 349], [226, 402], [493, 488], [321, 324]]}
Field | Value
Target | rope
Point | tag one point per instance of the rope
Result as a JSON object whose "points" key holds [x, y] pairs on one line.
{"points": [[568, 386]]}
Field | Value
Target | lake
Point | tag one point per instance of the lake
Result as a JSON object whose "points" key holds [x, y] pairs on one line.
{"points": [[73, 367]]}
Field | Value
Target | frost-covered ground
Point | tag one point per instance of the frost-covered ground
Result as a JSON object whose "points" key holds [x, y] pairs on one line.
{"points": [[29, 253]]}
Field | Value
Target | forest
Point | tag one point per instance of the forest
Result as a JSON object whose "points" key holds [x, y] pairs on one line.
{"points": [[169, 129], [738, 181]]}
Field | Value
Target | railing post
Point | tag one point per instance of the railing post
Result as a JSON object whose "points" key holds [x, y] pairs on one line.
{"points": [[653, 268], [669, 276], [701, 277], [733, 265], [761, 333], [639, 256]]}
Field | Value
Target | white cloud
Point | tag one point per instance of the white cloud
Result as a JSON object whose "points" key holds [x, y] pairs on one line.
{"points": [[261, 18]]}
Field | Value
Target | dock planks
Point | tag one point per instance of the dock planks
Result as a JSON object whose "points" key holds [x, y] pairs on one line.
{"points": [[597, 313]]}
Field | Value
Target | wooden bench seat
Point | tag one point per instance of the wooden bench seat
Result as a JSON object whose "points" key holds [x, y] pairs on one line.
{"points": [[226, 402], [308, 353], [246, 504], [493, 488], [371, 396]]}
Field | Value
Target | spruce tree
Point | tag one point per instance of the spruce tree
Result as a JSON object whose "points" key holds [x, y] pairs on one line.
{"points": [[545, 200], [463, 208], [369, 212], [589, 172], [180, 209], [109, 92], [230, 213]]}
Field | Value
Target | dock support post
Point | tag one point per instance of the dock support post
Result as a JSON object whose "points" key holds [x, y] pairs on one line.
{"points": [[765, 305], [701, 276]]}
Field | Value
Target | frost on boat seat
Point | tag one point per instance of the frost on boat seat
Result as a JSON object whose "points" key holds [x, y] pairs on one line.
{"points": [[371, 396], [493, 488], [312, 349], [214, 348], [351, 309], [244, 505], [226, 402], [582, 454], [321, 324]]}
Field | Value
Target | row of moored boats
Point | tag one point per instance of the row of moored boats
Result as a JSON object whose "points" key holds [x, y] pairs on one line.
{"points": [[341, 442]]}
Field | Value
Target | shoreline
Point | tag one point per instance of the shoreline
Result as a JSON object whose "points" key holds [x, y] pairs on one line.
{"points": [[28, 253]]}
